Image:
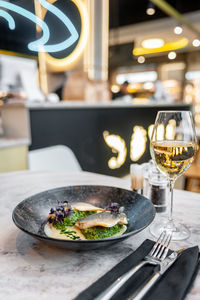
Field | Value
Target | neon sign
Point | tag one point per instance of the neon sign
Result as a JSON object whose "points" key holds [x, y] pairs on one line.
{"points": [[40, 44], [118, 145], [9, 18], [137, 143]]}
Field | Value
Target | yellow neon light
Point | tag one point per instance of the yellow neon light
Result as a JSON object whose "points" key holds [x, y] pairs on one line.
{"points": [[160, 133], [60, 65], [167, 47], [171, 130], [118, 145], [150, 131], [138, 143]]}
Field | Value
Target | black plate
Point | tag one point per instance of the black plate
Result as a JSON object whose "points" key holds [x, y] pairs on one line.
{"points": [[29, 214]]}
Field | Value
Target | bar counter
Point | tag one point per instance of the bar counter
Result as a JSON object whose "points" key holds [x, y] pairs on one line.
{"points": [[31, 269], [105, 104]]}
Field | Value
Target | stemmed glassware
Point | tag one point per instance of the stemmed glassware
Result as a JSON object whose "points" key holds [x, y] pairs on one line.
{"points": [[173, 147]]}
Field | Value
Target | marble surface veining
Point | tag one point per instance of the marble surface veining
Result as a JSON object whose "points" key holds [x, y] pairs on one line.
{"points": [[31, 269]]}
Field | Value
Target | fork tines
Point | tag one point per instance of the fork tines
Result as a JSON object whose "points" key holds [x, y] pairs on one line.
{"points": [[161, 248]]}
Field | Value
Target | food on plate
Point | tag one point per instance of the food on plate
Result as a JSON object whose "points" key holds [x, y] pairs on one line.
{"points": [[105, 219], [83, 221], [83, 206], [73, 233]]}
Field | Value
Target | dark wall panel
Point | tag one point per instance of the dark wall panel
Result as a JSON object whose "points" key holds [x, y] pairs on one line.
{"points": [[82, 130]]}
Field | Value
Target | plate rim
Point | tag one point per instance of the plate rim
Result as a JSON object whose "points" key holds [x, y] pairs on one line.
{"points": [[114, 238]]}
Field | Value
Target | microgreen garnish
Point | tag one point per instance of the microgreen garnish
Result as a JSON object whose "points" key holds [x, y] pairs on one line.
{"points": [[59, 213], [70, 233], [113, 207]]}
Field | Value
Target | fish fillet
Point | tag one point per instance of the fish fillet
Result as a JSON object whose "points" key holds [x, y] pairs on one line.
{"points": [[83, 206], [104, 219]]}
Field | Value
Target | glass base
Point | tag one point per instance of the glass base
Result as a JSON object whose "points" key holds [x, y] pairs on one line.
{"points": [[179, 231]]}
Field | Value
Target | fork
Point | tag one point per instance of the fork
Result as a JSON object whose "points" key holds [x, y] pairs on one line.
{"points": [[157, 254]]}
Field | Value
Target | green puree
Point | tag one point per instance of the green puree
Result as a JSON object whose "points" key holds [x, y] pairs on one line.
{"points": [[70, 221], [96, 233]]}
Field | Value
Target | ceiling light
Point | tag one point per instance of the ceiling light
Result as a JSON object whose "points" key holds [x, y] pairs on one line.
{"points": [[178, 30], [196, 43], [152, 43], [141, 59], [150, 9], [179, 44], [172, 55]]}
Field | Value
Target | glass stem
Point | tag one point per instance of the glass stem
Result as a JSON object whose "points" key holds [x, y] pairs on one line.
{"points": [[171, 188]]}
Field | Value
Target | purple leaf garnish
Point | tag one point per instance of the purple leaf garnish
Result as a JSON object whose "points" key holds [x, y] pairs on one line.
{"points": [[52, 211], [59, 213], [113, 207]]}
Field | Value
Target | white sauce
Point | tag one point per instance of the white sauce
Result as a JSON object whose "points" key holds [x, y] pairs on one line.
{"points": [[54, 233]]}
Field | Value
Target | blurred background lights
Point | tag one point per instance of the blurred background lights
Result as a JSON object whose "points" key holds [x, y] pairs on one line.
{"points": [[152, 43], [170, 83], [115, 88], [141, 59], [197, 109], [192, 75], [137, 77], [148, 85], [197, 118], [178, 29], [196, 43], [150, 9], [189, 88], [172, 55], [188, 99]]}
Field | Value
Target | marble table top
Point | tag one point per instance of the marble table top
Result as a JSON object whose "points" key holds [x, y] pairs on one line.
{"points": [[31, 269]]}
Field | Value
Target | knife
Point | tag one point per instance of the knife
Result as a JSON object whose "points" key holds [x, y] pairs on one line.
{"points": [[164, 266]]}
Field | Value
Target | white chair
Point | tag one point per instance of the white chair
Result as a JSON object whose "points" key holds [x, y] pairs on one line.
{"points": [[54, 158]]}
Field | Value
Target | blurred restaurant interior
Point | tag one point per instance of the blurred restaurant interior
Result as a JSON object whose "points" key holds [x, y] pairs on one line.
{"points": [[81, 81]]}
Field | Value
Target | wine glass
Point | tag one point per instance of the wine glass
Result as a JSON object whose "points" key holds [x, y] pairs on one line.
{"points": [[173, 147]]}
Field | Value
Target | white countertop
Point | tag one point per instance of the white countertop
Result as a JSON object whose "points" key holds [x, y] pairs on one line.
{"points": [[33, 270]]}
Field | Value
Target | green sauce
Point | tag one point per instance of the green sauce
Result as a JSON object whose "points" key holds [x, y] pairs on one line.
{"points": [[96, 233], [70, 221]]}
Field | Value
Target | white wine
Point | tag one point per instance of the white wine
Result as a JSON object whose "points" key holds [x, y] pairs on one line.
{"points": [[173, 157], [173, 147]]}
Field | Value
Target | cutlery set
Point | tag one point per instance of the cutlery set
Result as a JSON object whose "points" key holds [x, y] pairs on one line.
{"points": [[158, 257]]}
